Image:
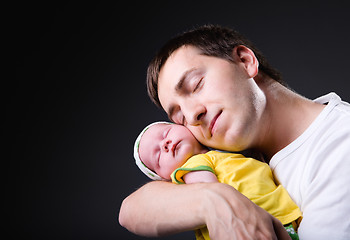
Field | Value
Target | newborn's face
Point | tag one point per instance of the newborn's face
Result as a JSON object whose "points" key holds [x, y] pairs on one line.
{"points": [[165, 147]]}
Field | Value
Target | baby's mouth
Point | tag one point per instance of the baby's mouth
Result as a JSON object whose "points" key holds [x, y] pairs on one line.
{"points": [[174, 148]]}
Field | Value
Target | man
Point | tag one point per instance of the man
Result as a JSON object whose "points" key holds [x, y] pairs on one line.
{"points": [[221, 88]]}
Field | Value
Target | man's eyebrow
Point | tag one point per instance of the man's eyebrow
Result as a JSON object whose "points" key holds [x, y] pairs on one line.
{"points": [[178, 87], [183, 77]]}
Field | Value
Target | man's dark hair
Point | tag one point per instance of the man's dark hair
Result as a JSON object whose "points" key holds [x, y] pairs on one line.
{"points": [[211, 40]]}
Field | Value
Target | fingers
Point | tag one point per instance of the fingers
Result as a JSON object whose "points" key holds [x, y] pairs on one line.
{"points": [[230, 215], [280, 231]]}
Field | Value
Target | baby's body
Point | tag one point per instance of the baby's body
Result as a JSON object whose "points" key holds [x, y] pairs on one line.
{"points": [[170, 152]]}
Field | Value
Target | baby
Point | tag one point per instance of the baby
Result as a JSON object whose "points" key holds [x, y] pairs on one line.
{"points": [[166, 151]]}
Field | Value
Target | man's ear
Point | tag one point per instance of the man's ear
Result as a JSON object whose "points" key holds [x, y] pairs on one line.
{"points": [[247, 57]]}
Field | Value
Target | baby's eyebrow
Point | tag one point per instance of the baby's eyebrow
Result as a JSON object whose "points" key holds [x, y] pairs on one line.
{"points": [[160, 136], [155, 161]]}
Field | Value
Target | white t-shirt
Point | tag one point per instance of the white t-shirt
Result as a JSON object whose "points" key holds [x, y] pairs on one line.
{"points": [[315, 170]]}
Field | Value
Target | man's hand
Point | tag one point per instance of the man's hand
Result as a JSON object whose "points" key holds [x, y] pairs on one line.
{"points": [[233, 216], [162, 208]]}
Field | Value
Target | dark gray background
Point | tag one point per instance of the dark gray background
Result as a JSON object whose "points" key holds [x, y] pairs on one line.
{"points": [[78, 100]]}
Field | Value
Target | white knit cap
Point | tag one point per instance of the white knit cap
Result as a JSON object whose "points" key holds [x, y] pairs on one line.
{"points": [[149, 173]]}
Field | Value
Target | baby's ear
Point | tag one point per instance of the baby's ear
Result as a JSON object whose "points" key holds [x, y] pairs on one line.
{"points": [[247, 57]]}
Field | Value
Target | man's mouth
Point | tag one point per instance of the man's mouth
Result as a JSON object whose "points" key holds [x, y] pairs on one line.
{"points": [[213, 122]]}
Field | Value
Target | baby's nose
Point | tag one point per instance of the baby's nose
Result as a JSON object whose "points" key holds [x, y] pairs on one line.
{"points": [[166, 145]]}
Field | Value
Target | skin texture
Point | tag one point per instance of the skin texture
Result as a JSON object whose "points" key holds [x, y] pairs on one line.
{"points": [[229, 106]]}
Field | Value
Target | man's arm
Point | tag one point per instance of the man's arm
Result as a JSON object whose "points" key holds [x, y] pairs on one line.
{"points": [[161, 208]]}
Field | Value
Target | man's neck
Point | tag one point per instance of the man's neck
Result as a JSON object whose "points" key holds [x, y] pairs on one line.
{"points": [[287, 116]]}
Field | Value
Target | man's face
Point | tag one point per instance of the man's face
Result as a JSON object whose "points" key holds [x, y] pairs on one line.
{"points": [[216, 99]]}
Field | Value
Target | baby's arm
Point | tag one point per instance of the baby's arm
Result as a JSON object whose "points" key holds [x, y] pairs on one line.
{"points": [[200, 176]]}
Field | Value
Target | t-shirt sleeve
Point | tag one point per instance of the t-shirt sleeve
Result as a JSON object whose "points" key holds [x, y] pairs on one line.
{"points": [[200, 162]]}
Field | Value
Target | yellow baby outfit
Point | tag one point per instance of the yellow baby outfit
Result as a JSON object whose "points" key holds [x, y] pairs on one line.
{"points": [[249, 176]]}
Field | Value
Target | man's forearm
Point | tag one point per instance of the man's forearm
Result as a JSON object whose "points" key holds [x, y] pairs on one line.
{"points": [[162, 208]]}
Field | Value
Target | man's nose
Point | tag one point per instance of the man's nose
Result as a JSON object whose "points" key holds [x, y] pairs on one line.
{"points": [[194, 113]]}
